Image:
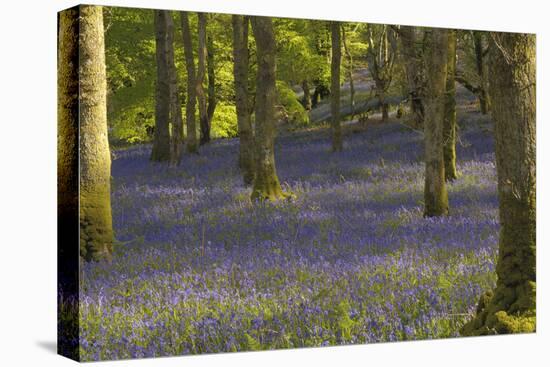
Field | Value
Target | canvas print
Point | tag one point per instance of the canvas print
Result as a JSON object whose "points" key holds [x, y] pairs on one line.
{"points": [[240, 183]]}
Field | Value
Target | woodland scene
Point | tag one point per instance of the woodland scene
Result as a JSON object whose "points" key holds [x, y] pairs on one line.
{"points": [[236, 183]]}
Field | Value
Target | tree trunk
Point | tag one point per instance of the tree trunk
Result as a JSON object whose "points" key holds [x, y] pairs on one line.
{"points": [[316, 98], [201, 72], [385, 112], [435, 192], [191, 84], [350, 73], [161, 139], [335, 87], [307, 95], [91, 144], [381, 95], [212, 102], [480, 67], [449, 122], [413, 69], [240, 72], [380, 59], [175, 105], [383, 106], [266, 183], [67, 181], [511, 307]]}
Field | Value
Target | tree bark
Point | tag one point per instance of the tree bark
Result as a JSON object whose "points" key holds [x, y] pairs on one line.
{"points": [[161, 139], [240, 72], [175, 105], [382, 105], [449, 122], [511, 307], [96, 231], [335, 87], [211, 68], [480, 67], [316, 98], [191, 84], [350, 73], [413, 69], [266, 183], [380, 58], [68, 255], [435, 192], [201, 72]]}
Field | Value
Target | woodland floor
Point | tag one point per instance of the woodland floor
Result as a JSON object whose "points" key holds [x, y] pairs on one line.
{"points": [[198, 268]]}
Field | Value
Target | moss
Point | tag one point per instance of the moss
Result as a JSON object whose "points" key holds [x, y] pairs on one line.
{"points": [[507, 310], [507, 324], [268, 189], [96, 233], [294, 112]]}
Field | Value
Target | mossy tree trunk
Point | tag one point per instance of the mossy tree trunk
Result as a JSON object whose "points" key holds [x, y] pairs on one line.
{"points": [[211, 68], [436, 202], [190, 106], [161, 139], [67, 132], [242, 104], [335, 87], [511, 307], [449, 122], [412, 56], [68, 253], [266, 183], [201, 73], [96, 231], [175, 105]]}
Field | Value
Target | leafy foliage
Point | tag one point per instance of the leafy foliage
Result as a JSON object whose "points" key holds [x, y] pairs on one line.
{"points": [[130, 58], [224, 122], [297, 57], [291, 110]]}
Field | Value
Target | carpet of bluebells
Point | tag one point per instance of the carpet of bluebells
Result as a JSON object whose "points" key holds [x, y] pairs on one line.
{"points": [[198, 268]]}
